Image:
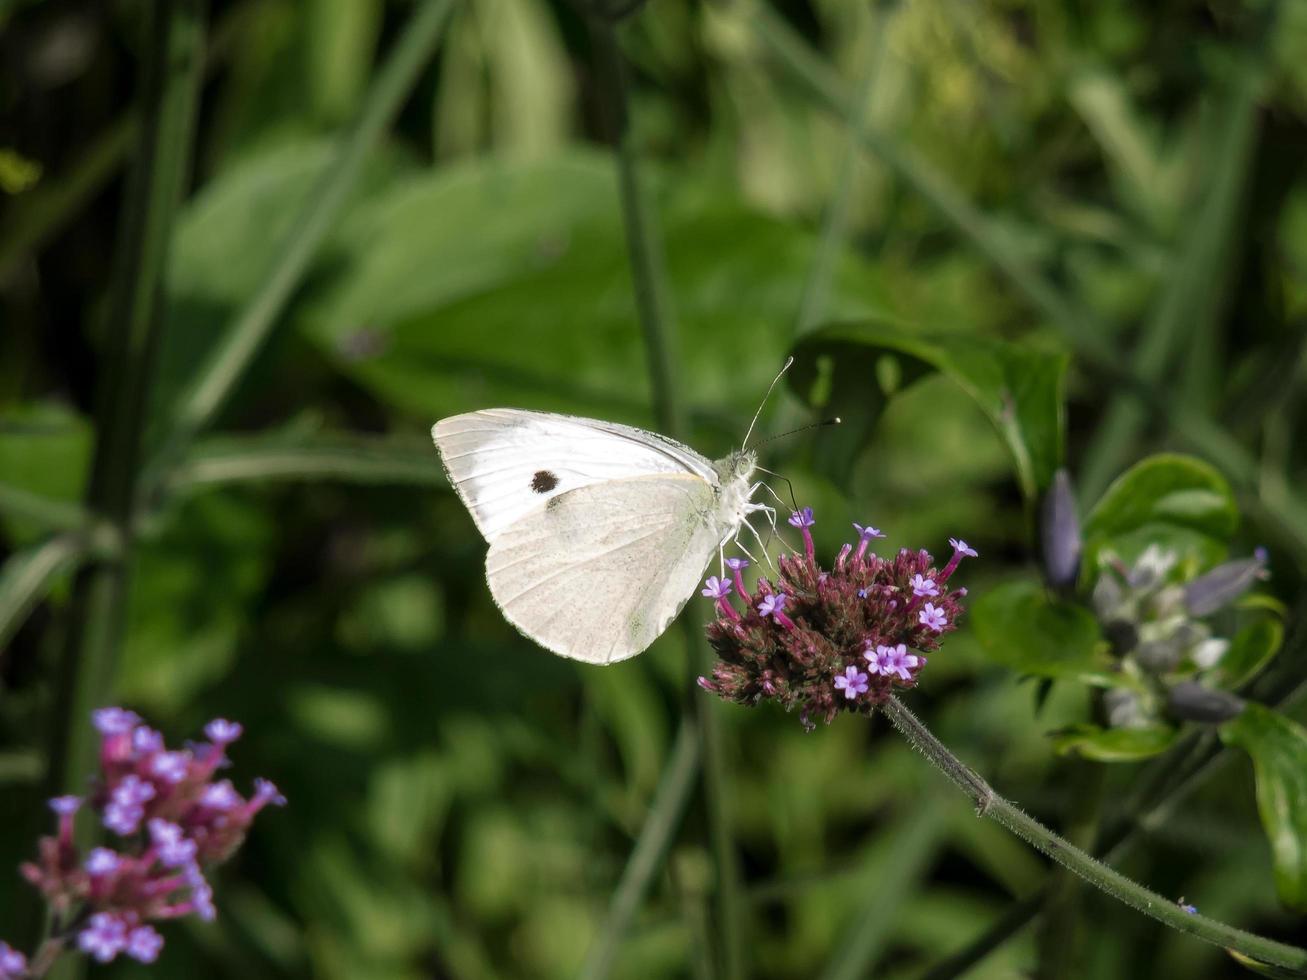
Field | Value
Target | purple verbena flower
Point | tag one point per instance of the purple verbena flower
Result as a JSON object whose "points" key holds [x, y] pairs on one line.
{"points": [[65, 806], [175, 849], [144, 944], [852, 682], [737, 567], [13, 964], [102, 862], [960, 548], [922, 586], [933, 617], [221, 796], [146, 741], [114, 721], [803, 520], [193, 822], [833, 617], [865, 534], [171, 767], [716, 588], [104, 937], [220, 731]]}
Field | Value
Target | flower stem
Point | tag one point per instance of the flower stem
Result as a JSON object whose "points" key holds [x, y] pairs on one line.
{"points": [[1100, 876]]}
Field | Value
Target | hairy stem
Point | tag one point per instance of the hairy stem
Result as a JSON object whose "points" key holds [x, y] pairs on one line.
{"points": [[1100, 876]]}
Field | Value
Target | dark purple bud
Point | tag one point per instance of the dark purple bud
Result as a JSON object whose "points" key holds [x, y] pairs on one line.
{"points": [[1222, 585], [1190, 701], [1060, 533]]}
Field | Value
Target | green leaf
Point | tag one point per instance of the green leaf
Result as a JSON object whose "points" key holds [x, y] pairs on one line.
{"points": [[1023, 628], [1278, 747], [850, 369], [1177, 502], [433, 320], [1251, 649], [1114, 744]]}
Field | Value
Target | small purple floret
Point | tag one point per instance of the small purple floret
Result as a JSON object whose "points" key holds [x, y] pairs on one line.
{"points": [[852, 682], [104, 937], [12, 963], [962, 548], [175, 849], [102, 862], [716, 588], [114, 721], [802, 518], [923, 586], [220, 731], [66, 806], [932, 617], [772, 604], [144, 944]]}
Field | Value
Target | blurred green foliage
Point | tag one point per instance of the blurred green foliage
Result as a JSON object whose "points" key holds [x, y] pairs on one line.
{"points": [[1111, 186]]}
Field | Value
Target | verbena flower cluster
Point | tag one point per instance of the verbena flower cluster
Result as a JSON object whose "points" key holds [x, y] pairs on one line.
{"points": [[824, 641], [169, 818], [1154, 621]]}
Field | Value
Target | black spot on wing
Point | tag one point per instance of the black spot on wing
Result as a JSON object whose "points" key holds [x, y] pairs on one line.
{"points": [[543, 481]]}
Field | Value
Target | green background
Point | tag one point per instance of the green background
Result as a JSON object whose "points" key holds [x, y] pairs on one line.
{"points": [[1115, 184]]}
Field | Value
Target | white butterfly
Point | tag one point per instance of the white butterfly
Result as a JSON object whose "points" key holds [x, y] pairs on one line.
{"points": [[598, 532]]}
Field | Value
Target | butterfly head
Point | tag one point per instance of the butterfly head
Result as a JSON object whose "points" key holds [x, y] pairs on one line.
{"points": [[738, 466]]}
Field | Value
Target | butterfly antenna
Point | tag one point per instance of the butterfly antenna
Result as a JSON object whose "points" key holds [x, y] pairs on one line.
{"points": [[803, 428], [784, 367]]}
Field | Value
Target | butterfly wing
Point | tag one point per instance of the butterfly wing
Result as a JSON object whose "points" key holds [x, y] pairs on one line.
{"points": [[599, 572], [507, 463]]}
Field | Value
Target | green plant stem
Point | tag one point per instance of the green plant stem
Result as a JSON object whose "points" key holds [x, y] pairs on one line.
{"points": [[654, 309], [252, 325], [1099, 875], [1176, 783], [170, 77], [670, 800]]}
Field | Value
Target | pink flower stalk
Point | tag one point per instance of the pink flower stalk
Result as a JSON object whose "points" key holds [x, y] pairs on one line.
{"points": [[802, 519], [173, 822], [825, 641]]}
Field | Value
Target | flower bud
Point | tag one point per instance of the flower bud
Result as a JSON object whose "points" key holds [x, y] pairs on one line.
{"points": [[1190, 701], [1222, 585], [1060, 534]]}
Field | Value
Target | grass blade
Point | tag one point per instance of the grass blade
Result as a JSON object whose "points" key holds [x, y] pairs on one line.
{"points": [[349, 459]]}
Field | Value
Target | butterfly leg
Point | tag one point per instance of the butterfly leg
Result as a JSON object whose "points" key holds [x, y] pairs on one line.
{"points": [[758, 537]]}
